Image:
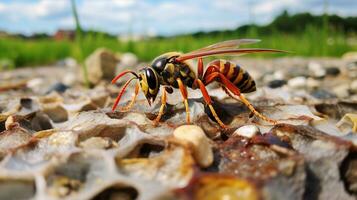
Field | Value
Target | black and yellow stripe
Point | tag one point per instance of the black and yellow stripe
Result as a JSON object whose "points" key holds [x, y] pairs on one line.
{"points": [[237, 75]]}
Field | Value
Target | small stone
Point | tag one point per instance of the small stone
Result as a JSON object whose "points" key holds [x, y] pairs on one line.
{"points": [[317, 70], [297, 82], [353, 87], [128, 60], [322, 94], [68, 62], [195, 136], [350, 119], [57, 87], [352, 65], [247, 131], [55, 111], [352, 69], [69, 79], [351, 55], [97, 143], [10, 122], [333, 71], [35, 83], [101, 65], [280, 75], [341, 91], [312, 83], [276, 83]]}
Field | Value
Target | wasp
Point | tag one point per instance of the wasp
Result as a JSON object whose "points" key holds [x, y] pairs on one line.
{"points": [[172, 70]]}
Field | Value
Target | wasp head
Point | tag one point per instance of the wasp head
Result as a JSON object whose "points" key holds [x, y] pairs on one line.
{"points": [[149, 83]]}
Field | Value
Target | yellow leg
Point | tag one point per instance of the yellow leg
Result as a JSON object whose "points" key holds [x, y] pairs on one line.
{"points": [[185, 101], [163, 104], [128, 107], [216, 117], [250, 106], [208, 100]]}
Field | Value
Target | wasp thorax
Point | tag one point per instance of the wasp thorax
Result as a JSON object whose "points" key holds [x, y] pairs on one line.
{"points": [[160, 62], [149, 83]]}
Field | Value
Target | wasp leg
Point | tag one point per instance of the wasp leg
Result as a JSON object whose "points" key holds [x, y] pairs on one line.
{"points": [[121, 93], [163, 104], [233, 89], [183, 91], [128, 107], [200, 68], [208, 100]]}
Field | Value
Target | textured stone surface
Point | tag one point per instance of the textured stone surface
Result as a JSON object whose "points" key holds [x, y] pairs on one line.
{"points": [[68, 144]]}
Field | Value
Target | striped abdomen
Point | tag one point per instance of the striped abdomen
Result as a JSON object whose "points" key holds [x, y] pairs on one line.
{"points": [[237, 75]]}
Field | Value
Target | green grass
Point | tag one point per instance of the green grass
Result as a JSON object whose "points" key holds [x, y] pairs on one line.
{"points": [[46, 51]]}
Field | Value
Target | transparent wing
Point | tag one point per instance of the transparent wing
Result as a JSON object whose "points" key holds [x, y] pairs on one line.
{"points": [[229, 44], [226, 52]]}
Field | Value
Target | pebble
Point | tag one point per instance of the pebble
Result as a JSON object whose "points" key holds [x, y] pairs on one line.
{"points": [[276, 83], [10, 122], [352, 65], [128, 60], [58, 87], [55, 111], [322, 94], [351, 55], [98, 143], [35, 83], [317, 70], [69, 79], [353, 87], [312, 83], [68, 62], [280, 75], [333, 71], [247, 131], [202, 149], [349, 118], [341, 91], [352, 69], [101, 64], [297, 82]]}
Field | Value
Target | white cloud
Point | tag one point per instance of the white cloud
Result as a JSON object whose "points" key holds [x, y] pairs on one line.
{"points": [[44, 8], [161, 17]]}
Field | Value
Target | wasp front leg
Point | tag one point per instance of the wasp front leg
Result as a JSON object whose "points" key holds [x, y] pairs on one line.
{"points": [[162, 107], [128, 107], [183, 91]]}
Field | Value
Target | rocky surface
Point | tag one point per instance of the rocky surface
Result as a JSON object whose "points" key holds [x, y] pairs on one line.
{"points": [[60, 140]]}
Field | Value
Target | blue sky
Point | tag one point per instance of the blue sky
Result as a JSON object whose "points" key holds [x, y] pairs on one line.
{"points": [[152, 17]]}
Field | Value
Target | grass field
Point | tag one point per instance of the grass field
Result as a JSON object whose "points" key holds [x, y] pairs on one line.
{"points": [[312, 42]]}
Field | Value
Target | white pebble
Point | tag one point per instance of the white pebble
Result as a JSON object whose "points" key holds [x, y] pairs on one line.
{"points": [[9, 122], [279, 75], [202, 150], [317, 69], [312, 83], [341, 91], [128, 60], [34, 83], [297, 82], [247, 131], [353, 86]]}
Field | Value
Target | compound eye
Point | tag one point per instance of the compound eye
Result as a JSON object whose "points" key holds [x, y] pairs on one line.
{"points": [[159, 64], [151, 78]]}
